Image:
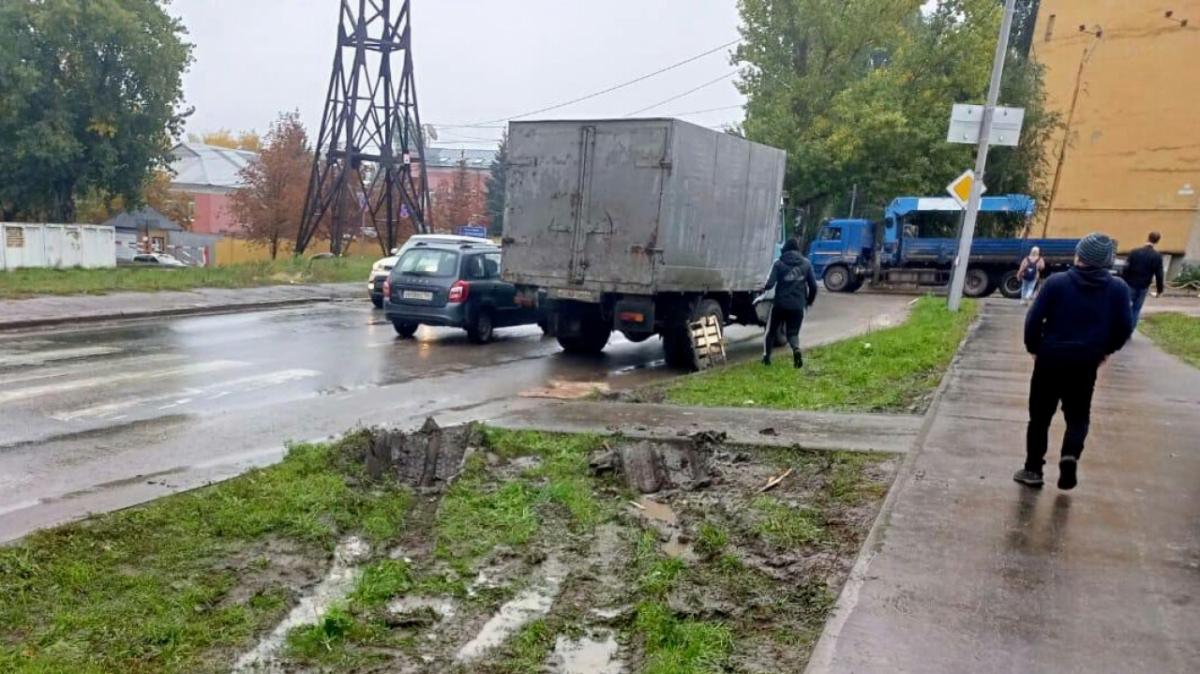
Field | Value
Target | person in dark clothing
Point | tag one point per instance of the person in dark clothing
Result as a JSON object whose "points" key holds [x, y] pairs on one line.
{"points": [[795, 287], [1141, 266], [1080, 318]]}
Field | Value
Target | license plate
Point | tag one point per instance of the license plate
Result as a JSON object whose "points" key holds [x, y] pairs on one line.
{"points": [[570, 294], [418, 295]]}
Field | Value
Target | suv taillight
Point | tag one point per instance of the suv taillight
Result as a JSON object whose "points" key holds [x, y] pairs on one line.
{"points": [[458, 292], [387, 288]]}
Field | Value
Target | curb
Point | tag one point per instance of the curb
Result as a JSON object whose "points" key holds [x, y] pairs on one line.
{"points": [[7, 326], [821, 659]]}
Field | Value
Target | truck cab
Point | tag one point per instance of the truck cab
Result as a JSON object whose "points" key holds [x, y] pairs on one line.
{"points": [[843, 247]]}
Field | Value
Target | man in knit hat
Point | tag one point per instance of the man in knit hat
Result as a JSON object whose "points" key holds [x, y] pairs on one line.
{"points": [[1078, 320]]}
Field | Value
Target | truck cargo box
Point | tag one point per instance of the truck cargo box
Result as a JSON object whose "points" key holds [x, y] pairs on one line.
{"points": [[638, 206]]}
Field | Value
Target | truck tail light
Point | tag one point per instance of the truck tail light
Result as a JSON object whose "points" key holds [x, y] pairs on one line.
{"points": [[387, 288], [632, 317], [459, 292]]}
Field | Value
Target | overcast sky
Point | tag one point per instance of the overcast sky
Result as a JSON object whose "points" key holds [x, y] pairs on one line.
{"points": [[476, 60]]}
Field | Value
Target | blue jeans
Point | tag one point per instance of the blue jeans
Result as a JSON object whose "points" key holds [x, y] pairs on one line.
{"points": [[1138, 296], [1027, 288]]}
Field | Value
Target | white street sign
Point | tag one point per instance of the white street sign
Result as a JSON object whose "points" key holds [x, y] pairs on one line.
{"points": [[965, 121]]}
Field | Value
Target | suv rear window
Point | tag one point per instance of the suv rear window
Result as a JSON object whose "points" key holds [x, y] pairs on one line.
{"points": [[429, 262]]}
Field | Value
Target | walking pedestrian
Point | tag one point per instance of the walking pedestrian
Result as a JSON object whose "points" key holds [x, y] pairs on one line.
{"points": [[1142, 265], [1031, 270], [1079, 319], [795, 287]]}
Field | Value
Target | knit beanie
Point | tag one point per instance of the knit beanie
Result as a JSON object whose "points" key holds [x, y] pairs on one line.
{"points": [[791, 244], [1096, 250]]}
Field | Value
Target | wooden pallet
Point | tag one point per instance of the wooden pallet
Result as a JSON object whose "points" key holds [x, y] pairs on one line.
{"points": [[708, 341]]}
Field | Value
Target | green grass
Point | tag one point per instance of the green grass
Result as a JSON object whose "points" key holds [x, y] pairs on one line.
{"points": [[672, 645], [892, 370], [677, 645], [476, 515], [151, 589], [1177, 334], [785, 526], [32, 282]]}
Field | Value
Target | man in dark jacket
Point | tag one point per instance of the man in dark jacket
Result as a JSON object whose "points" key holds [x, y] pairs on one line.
{"points": [[1079, 319], [1141, 266], [795, 287]]}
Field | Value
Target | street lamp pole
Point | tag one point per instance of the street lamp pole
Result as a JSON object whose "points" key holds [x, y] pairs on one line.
{"points": [[985, 131]]}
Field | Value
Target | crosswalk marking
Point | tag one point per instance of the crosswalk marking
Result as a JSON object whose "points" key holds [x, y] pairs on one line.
{"points": [[180, 397], [41, 357], [142, 374]]}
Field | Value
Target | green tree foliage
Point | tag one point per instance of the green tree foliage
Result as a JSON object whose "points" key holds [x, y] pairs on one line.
{"points": [[495, 189], [90, 96], [859, 94]]}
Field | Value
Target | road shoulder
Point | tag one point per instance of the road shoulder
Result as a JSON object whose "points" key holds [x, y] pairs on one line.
{"points": [[71, 309]]}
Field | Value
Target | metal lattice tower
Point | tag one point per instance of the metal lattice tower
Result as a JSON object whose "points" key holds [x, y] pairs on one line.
{"points": [[370, 141]]}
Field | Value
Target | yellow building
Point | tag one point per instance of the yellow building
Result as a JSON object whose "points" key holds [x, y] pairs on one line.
{"points": [[1128, 89]]}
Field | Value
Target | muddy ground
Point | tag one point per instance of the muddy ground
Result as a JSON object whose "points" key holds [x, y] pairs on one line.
{"points": [[526, 552]]}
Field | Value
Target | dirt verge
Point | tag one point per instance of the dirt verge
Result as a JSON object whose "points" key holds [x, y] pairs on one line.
{"points": [[530, 552]]}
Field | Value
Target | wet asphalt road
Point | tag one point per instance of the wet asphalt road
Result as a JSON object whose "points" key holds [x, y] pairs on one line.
{"points": [[103, 417]]}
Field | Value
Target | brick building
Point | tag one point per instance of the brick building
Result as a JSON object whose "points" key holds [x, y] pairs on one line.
{"points": [[442, 165], [209, 175]]}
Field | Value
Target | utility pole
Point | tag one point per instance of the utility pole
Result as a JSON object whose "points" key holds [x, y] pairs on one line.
{"points": [[985, 132], [371, 142]]}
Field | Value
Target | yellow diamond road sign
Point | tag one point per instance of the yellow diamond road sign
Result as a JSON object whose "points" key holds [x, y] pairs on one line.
{"points": [[960, 187]]}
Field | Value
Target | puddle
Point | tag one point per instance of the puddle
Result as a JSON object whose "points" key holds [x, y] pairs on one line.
{"points": [[609, 613], [567, 390], [409, 606], [513, 615], [336, 584], [586, 655], [660, 512], [664, 519]]}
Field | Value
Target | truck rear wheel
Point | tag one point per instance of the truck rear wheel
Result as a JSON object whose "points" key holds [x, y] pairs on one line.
{"points": [[838, 279], [678, 348], [978, 283], [1010, 285], [592, 338]]}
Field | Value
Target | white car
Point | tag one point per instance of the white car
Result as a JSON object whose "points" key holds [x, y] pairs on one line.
{"points": [[383, 267], [158, 259]]}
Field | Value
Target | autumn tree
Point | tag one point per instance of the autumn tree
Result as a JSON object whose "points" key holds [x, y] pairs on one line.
{"points": [[859, 94], [460, 202], [495, 189], [90, 96], [97, 207], [270, 204], [245, 140]]}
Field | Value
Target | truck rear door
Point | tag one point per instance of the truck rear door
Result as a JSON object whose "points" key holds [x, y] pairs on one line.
{"points": [[617, 237], [583, 202]]}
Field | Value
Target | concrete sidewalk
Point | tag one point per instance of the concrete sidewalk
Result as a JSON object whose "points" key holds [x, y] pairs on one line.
{"points": [[59, 309], [968, 571], [750, 426]]}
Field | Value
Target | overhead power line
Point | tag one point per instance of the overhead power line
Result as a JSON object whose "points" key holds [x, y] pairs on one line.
{"points": [[700, 112], [613, 88], [686, 93]]}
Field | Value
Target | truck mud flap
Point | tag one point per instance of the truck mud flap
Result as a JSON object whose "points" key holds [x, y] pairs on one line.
{"points": [[708, 342]]}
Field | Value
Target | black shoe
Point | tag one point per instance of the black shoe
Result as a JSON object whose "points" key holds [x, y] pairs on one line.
{"points": [[1029, 478], [1066, 473], [797, 359], [766, 360]]}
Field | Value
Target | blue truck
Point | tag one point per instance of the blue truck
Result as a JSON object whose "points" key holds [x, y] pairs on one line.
{"points": [[850, 252]]}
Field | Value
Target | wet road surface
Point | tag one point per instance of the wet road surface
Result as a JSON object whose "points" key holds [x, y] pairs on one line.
{"points": [[108, 416]]}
